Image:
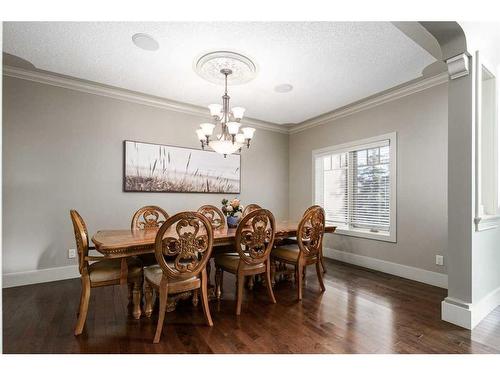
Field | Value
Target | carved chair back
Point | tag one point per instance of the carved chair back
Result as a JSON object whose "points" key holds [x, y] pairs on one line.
{"points": [[148, 217], [251, 207], [183, 245], [82, 240], [213, 214], [255, 236], [311, 231]]}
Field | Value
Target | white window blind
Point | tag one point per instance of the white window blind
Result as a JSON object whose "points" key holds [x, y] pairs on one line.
{"points": [[354, 184]]}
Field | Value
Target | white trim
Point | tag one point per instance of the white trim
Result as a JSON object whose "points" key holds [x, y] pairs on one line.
{"points": [[39, 276], [469, 315], [408, 272], [358, 144], [458, 66], [371, 102], [126, 95], [486, 222]]}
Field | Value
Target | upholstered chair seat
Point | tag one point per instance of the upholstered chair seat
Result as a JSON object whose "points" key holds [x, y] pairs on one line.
{"points": [[108, 270], [286, 253], [230, 262], [153, 275]]}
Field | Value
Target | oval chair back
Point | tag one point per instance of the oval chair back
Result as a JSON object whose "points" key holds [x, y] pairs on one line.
{"points": [[183, 245], [82, 240], [251, 207], [148, 217], [255, 236], [214, 215], [310, 232]]}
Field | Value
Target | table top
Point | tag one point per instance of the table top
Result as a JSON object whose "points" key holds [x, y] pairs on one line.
{"points": [[125, 241]]}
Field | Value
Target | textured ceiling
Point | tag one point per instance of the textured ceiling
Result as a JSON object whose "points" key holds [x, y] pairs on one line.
{"points": [[329, 64]]}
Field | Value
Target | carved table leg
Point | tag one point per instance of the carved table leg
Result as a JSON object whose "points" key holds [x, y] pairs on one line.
{"points": [[218, 282], [130, 288], [195, 297], [148, 297], [136, 297]]}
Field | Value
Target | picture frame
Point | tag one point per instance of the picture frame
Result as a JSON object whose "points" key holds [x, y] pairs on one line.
{"points": [[159, 168]]}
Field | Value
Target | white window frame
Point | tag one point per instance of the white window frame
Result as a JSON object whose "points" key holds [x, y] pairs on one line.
{"points": [[349, 146]]}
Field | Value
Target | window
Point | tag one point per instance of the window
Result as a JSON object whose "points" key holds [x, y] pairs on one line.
{"points": [[356, 185]]}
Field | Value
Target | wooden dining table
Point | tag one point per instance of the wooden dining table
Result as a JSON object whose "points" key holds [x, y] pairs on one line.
{"points": [[124, 243]]}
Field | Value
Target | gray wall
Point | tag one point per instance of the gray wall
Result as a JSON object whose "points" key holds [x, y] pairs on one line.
{"points": [[421, 123], [63, 149]]}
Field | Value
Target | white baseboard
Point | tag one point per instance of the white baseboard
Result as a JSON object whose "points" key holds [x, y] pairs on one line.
{"points": [[468, 315], [412, 273], [39, 276]]}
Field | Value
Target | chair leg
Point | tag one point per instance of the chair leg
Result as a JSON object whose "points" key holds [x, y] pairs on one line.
{"points": [[320, 276], [239, 297], [84, 306], [148, 297], [204, 298], [163, 310], [300, 274], [322, 263], [219, 275], [269, 284]]}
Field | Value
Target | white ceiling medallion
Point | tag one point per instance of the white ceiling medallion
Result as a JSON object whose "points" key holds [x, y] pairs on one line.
{"points": [[145, 42], [209, 67]]}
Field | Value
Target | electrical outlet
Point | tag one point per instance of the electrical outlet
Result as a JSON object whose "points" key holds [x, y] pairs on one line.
{"points": [[71, 253], [439, 260]]}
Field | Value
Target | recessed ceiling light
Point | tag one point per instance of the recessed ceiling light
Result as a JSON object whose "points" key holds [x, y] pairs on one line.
{"points": [[284, 87], [145, 41]]}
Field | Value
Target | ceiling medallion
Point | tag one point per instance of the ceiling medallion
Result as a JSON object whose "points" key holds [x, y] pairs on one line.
{"points": [[210, 65]]}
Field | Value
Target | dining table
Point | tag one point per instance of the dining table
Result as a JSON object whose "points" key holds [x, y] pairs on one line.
{"points": [[124, 243]]}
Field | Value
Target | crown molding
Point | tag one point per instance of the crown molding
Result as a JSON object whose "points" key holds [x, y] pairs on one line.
{"points": [[154, 101], [126, 95], [378, 99]]}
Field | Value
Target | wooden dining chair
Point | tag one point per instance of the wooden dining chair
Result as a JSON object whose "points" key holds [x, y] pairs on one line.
{"points": [[214, 215], [249, 208], [103, 272], [148, 217], [308, 250], [253, 242], [183, 246]]}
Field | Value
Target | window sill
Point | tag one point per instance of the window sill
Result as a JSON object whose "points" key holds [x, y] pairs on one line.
{"points": [[486, 222], [366, 234]]}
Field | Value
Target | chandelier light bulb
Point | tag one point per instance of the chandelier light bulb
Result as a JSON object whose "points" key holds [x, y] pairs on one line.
{"points": [[215, 110], [240, 138], [233, 127], [248, 132], [207, 128], [238, 112], [201, 134]]}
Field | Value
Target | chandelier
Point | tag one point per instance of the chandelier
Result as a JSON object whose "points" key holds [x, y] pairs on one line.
{"points": [[229, 140]]}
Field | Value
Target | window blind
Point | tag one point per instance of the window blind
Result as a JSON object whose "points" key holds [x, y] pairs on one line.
{"points": [[354, 187]]}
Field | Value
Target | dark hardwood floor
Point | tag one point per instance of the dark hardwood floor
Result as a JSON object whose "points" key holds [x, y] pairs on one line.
{"points": [[362, 311]]}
